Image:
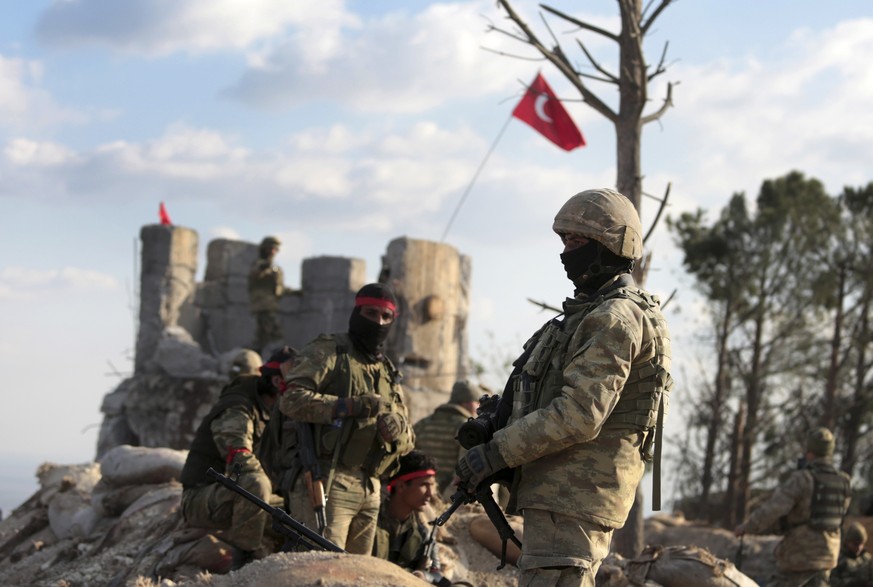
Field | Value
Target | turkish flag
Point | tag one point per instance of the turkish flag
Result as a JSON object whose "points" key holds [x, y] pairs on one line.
{"points": [[162, 214], [542, 110]]}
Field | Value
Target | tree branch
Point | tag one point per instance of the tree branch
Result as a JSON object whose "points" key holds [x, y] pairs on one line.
{"points": [[587, 95], [658, 215], [644, 27], [660, 68], [668, 101], [579, 23], [596, 65]]}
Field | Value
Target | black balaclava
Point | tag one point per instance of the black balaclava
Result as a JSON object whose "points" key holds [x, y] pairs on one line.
{"points": [[367, 334], [271, 368], [590, 266]]}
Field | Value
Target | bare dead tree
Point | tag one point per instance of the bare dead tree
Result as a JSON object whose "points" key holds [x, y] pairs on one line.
{"points": [[632, 80]]}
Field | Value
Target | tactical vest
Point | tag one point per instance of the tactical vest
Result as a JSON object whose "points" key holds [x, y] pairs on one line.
{"points": [[436, 435], [645, 396], [360, 446], [830, 491], [203, 454]]}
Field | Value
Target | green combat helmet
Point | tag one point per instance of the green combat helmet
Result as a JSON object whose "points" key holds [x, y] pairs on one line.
{"points": [[820, 442], [606, 216], [856, 534], [267, 245], [247, 362]]}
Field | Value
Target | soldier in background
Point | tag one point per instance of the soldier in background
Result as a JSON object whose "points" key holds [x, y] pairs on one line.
{"points": [[855, 566], [226, 441], [435, 435], [349, 392], [246, 362], [809, 507], [589, 397], [266, 284]]}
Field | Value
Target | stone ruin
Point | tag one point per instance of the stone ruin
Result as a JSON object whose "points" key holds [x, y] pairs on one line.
{"points": [[190, 331]]}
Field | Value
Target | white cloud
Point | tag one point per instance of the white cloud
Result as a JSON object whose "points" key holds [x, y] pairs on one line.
{"points": [[39, 154], [21, 282], [435, 56], [227, 232], [23, 104], [157, 28], [809, 110]]}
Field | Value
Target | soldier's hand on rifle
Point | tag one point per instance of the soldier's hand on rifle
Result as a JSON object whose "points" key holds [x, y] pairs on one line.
{"points": [[361, 406], [479, 463], [390, 426]]}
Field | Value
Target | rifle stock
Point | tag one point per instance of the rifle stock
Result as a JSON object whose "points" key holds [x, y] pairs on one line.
{"points": [[281, 521], [311, 472]]}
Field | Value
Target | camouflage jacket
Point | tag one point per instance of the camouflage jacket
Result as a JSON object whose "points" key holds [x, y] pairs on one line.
{"points": [[329, 367], [575, 455], [401, 542], [266, 284], [435, 437], [853, 570], [230, 434], [802, 548]]}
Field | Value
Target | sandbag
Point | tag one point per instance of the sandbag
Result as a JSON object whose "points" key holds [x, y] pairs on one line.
{"points": [[54, 478], [684, 566], [484, 532], [110, 501], [68, 514], [140, 465]]}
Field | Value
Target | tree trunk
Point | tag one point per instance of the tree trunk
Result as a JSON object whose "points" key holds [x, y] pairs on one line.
{"points": [[732, 505], [829, 400]]}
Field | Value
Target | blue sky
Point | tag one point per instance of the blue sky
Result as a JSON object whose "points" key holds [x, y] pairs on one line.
{"points": [[341, 125]]}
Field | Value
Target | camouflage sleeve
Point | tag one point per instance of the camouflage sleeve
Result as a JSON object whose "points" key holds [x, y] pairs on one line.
{"points": [[305, 399], [406, 441], [233, 431], [784, 498], [593, 379]]}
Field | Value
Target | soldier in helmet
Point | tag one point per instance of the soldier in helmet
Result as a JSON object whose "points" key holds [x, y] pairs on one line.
{"points": [[588, 399], [246, 362], [855, 566], [266, 284], [436, 434], [809, 506]]}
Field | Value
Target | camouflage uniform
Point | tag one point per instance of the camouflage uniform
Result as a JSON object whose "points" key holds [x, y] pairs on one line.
{"points": [[401, 542], [578, 438], [435, 436], [265, 288], [853, 570], [329, 367], [805, 555], [227, 437]]}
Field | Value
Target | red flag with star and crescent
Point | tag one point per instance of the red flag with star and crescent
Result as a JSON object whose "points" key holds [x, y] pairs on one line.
{"points": [[542, 110]]}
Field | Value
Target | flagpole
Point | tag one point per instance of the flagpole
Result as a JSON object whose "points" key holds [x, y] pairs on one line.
{"points": [[475, 176]]}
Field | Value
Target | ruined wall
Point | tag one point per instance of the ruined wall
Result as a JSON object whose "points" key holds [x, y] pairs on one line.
{"points": [[190, 332]]}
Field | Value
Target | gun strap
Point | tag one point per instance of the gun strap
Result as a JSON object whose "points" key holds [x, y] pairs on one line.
{"points": [[656, 460], [346, 428]]}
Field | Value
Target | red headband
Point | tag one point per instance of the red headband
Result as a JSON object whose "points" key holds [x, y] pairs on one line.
{"points": [[410, 477], [375, 302], [275, 366]]}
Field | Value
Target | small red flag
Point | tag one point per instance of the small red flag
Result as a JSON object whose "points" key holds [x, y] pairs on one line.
{"points": [[162, 214], [541, 109]]}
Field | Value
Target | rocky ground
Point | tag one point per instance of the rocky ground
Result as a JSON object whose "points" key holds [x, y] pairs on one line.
{"points": [[113, 523]]}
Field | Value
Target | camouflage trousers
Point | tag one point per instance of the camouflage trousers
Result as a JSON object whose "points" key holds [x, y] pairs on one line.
{"points": [[801, 579], [268, 329], [351, 513], [214, 506], [560, 550]]}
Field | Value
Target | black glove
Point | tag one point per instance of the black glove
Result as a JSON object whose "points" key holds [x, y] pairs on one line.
{"points": [[479, 463]]}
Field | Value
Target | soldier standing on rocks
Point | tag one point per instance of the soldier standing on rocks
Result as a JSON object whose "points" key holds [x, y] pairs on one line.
{"points": [[809, 507], [348, 391], [266, 284], [589, 396]]}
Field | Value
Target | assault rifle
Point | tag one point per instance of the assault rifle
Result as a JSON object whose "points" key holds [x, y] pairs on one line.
{"points": [[311, 472], [294, 531]]}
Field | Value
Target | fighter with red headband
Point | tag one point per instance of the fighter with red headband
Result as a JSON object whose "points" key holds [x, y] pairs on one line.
{"points": [[345, 387]]}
